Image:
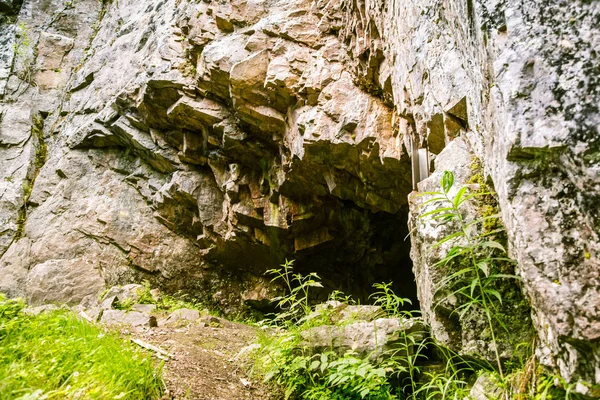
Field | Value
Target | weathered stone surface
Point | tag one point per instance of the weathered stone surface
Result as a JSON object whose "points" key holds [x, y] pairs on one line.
{"points": [[199, 145], [144, 308], [130, 292], [130, 318], [93, 314], [109, 302], [485, 387], [215, 322], [367, 339], [62, 281], [531, 114], [338, 312], [40, 309], [181, 315], [469, 333]]}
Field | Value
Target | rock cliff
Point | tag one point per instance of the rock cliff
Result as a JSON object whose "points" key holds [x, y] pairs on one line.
{"points": [[198, 144]]}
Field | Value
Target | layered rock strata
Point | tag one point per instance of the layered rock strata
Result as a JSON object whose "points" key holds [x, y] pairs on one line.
{"points": [[196, 145]]}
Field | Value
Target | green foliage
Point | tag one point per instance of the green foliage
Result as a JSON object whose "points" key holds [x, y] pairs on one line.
{"points": [[41, 150], [172, 303], [165, 302], [55, 355], [477, 269], [126, 304], [281, 358], [554, 387], [475, 282], [24, 42], [387, 299], [319, 376], [295, 304], [145, 294]]}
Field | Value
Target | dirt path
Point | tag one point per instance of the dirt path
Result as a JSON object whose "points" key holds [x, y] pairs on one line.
{"points": [[205, 363]]}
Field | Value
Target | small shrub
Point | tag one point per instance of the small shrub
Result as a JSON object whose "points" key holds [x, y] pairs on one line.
{"points": [[279, 356]]}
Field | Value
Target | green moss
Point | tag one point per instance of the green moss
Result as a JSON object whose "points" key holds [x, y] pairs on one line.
{"points": [[488, 203], [513, 314], [41, 153]]}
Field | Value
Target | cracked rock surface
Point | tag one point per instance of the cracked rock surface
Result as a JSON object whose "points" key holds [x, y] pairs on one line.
{"points": [[196, 146]]}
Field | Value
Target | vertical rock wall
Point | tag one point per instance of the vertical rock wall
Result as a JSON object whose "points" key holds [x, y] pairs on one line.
{"points": [[195, 145], [519, 81]]}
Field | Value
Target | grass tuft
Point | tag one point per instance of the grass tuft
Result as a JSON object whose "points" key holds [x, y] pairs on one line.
{"points": [[56, 355]]}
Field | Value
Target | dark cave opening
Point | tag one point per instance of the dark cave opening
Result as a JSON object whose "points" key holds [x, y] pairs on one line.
{"points": [[375, 249]]}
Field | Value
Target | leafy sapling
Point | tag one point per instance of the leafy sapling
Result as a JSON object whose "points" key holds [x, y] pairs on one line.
{"points": [[476, 253]]}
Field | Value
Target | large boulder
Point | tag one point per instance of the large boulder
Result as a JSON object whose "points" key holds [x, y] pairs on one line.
{"points": [[115, 318], [373, 339]]}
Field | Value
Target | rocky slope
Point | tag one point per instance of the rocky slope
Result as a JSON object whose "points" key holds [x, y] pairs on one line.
{"points": [[197, 144]]}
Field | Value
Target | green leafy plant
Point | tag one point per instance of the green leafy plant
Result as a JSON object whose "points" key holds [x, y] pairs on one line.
{"points": [[477, 254], [145, 294], [165, 301], [126, 304], [281, 357], [295, 303], [389, 301]]}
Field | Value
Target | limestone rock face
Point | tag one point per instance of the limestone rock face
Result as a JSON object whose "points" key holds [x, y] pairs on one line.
{"points": [[195, 145], [198, 144], [372, 339], [520, 82]]}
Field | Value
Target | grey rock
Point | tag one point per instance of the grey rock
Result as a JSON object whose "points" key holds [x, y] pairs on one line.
{"points": [[368, 339], [486, 387], [130, 318], [196, 144], [89, 301], [175, 221], [181, 315], [144, 308], [337, 311], [125, 293], [214, 322], [62, 281], [109, 302], [470, 333], [40, 309], [94, 313]]}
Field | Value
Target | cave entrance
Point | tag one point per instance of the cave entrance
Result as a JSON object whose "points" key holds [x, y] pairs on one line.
{"points": [[368, 248]]}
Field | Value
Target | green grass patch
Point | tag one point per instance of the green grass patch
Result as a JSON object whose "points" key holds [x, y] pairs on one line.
{"points": [[56, 355]]}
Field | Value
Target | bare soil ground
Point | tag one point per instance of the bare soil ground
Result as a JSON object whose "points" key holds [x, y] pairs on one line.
{"points": [[205, 363]]}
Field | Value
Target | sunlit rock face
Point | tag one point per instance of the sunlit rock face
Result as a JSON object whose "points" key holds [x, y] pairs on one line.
{"points": [[198, 144]]}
